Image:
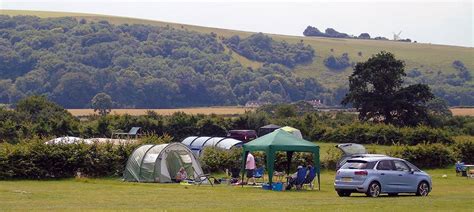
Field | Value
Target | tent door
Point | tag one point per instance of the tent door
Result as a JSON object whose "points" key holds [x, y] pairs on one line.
{"points": [[174, 161]]}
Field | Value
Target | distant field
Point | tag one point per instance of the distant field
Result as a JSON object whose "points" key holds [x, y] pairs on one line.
{"points": [[196, 110], [212, 110], [463, 111], [428, 58]]}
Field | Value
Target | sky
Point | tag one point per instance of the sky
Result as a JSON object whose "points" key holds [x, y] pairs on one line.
{"points": [[426, 21]]}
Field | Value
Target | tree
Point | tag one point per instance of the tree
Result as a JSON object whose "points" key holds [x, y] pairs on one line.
{"points": [[102, 102], [285, 111], [364, 35], [375, 90]]}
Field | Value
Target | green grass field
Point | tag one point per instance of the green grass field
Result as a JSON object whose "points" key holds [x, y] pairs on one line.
{"points": [[429, 58], [452, 193], [449, 194]]}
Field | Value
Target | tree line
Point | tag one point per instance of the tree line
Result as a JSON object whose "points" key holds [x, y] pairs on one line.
{"points": [[141, 66]]}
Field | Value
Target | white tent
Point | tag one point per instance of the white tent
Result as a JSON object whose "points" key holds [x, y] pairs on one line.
{"points": [[160, 163], [68, 140], [197, 144], [75, 140]]}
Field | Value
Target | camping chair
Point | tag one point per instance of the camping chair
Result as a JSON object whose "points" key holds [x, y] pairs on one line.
{"points": [[259, 173], [201, 178], [460, 168], [300, 178], [310, 178], [132, 132]]}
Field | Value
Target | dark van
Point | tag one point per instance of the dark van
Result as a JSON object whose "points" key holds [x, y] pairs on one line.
{"points": [[242, 135]]}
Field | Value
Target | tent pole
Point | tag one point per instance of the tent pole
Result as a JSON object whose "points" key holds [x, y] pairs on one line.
{"points": [[319, 183], [244, 160], [289, 155]]}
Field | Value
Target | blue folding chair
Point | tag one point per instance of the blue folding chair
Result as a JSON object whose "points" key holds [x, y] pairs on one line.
{"points": [[460, 168], [310, 178], [300, 178]]}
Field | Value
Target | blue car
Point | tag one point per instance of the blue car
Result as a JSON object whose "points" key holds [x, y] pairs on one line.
{"points": [[376, 175]]}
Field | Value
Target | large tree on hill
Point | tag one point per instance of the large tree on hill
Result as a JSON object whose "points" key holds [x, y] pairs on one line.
{"points": [[102, 102], [375, 90]]}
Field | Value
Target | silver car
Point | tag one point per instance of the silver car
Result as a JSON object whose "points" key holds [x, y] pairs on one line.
{"points": [[376, 175]]}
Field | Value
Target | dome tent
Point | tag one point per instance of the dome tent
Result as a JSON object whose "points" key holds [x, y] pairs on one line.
{"points": [[267, 129], [295, 132], [160, 163], [197, 144]]}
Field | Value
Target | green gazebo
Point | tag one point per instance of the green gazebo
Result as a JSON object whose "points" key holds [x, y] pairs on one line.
{"points": [[280, 140]]}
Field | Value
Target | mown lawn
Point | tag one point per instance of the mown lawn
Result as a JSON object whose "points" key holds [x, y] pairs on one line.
{"points": [[451, 193]]}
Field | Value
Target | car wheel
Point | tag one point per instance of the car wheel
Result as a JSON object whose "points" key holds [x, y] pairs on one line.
{"points": [[343, 193], [374, 189], [392, 194], [423, 189]]}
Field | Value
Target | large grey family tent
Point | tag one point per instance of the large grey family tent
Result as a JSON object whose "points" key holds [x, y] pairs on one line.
{"points": [[197, 144], [160, 163]]}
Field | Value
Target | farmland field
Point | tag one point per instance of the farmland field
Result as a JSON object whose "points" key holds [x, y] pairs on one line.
{"points": [[463, 111], [231, 110], [197, 110]]}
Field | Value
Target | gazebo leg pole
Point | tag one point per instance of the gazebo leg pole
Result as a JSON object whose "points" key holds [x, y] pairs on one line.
{"points": [[319, 183]]}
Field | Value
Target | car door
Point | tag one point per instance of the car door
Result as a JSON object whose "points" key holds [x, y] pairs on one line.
{"points": [[348, 150], [386, 175], [402, 179], [410, 177]]}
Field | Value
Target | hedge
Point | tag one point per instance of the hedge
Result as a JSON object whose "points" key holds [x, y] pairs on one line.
{"points": [[464, 149], [37, 160], [364, 133], [425, 155]]}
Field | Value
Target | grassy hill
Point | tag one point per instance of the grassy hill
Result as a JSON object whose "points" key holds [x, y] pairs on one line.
{"points": [[427, 58]]}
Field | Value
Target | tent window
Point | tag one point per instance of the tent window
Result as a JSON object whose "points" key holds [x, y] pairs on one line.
{"points": [[185, 158], [150, 158]]}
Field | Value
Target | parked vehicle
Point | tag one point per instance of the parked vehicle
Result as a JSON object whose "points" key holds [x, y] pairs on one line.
{"points": [[242, 135], [376, 175], [351, 150]]}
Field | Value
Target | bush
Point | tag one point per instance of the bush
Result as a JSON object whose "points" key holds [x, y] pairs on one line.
{"points": [[464, 150], [337, 63], [364, 133], [333, 155], [37, 160], [214, 159], [424, 155]]}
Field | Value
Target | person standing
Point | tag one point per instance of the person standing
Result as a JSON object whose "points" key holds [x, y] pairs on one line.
{"points": [[250, 168]]}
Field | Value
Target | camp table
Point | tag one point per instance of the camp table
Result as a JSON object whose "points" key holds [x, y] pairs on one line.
{"points": [[468, 169]]}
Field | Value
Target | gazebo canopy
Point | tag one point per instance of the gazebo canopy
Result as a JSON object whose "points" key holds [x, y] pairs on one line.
{"points": [[280, 140]]}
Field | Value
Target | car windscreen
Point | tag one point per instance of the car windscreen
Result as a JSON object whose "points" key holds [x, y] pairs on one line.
{"points": [[358, 164]]}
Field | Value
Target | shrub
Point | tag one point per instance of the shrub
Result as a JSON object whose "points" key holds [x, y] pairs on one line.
{"points": [[37, 160], [214, 159], [364, 133], [464, 149], [420, 134], [424, 155], [337, 63], [333, 155]]}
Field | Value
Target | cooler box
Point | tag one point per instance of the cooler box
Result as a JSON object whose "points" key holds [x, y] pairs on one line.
{"points": [[266, 186], [277, 186]]}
